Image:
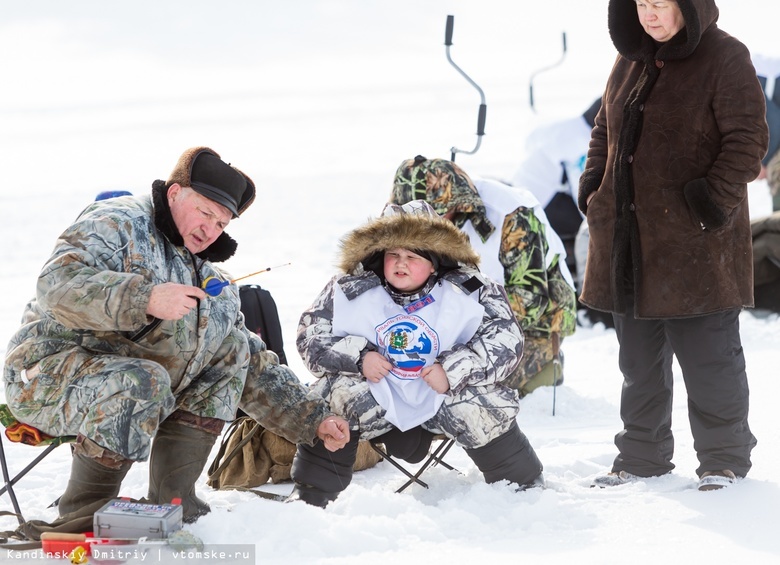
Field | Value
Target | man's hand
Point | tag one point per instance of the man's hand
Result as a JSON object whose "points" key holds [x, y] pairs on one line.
{"points": [[334, 433], [436, 378], [172, 301], [375, 366]]}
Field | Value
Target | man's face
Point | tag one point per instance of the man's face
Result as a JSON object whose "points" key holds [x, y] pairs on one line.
{"points": [[200, 221]]}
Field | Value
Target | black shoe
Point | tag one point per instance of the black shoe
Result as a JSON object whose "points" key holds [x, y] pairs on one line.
{"points": [[538, 482], [312, 496]]}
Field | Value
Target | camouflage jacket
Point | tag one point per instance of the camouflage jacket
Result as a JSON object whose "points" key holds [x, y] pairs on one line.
{"points": [[543, 301], [488, 358], [93, 292]]}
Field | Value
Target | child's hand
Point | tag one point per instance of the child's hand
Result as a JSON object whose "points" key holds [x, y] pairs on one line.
{"points": [[375, 366], [436, 378]]}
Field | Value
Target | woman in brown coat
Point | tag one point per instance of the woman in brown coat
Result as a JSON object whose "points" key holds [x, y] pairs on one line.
{"points": [[680, 134]]}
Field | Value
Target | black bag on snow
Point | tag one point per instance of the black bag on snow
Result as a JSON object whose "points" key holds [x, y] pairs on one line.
{"points": [[262, 317]]}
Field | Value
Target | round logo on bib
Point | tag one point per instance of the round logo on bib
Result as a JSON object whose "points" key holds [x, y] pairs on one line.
{"points": [[409, 343]]}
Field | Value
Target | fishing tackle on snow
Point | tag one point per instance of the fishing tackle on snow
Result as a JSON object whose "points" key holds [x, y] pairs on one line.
{"points": [[213, 285]]}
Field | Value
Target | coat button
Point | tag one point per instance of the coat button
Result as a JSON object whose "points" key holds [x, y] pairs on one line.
{"points": [[632, 207], [630, 159], [659, 64], [641, 107]]}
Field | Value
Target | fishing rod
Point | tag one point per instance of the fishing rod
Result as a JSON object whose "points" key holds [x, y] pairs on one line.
{"points": [[213, 285], [482, 106]]}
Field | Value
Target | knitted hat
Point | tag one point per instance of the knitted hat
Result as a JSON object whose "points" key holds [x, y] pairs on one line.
{"points": [[202, 169]]}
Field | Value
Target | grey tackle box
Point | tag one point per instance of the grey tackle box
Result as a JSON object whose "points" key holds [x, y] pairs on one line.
{"points": [[126, 519]]}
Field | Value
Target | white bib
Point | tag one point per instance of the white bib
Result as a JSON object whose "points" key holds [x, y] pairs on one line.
{"points": [[411, 338]]}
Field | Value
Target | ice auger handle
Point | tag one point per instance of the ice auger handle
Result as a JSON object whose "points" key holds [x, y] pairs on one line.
{"points": [[482, 107]]}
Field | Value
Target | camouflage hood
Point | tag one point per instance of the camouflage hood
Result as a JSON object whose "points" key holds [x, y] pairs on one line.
{"points": [[446, 187], [414, 226]]}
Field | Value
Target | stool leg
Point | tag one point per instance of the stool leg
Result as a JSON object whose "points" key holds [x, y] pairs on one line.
{"points": [[9, 484]]}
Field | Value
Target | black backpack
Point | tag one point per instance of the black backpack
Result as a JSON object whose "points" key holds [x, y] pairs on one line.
{"points": [[262, 317]]}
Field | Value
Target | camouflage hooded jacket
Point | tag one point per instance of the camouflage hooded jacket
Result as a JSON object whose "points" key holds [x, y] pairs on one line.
{"points": [[541, 298], [488, 358], [92, 295]]}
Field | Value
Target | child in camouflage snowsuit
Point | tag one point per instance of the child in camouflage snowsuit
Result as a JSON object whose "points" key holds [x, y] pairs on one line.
{"points": [[508, 228], [402, 359]]}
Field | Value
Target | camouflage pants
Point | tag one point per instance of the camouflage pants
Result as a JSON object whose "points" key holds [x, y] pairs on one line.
{"points": [[473, 418], [117, 402], [537, 353]]}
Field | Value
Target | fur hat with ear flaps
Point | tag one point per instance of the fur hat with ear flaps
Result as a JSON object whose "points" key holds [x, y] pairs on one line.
{"points": [[202, 169], [414, 226]]}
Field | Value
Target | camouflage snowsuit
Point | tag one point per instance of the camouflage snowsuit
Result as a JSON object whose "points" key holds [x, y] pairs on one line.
{"points": [[87, 359], [541, 298], [479, 407]]}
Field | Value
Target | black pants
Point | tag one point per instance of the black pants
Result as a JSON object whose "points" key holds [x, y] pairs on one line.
{"points": [[709, 351]]}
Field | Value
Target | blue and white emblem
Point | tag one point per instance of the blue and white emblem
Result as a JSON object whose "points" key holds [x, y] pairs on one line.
{"points": [[410, 344]]}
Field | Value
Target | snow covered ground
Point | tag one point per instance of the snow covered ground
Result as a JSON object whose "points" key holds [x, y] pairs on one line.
{"points": [[319, 101]]}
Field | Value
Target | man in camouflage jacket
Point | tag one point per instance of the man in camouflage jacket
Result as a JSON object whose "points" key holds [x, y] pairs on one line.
{"points": [[518, 248], [122, 348]]}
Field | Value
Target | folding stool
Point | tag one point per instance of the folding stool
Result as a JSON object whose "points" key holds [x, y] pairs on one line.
{"points": [[435, 457], [22, 433]]}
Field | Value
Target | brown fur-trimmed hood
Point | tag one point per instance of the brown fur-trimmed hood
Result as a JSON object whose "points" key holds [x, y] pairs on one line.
{"points": [[416, 232], [633, 43]]}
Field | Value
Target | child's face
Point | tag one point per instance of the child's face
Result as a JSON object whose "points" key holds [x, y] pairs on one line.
{"points": [[405, 270]]}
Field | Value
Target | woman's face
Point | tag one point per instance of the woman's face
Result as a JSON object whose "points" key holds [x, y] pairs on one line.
{"points": [[405, 270], [661, 19]]}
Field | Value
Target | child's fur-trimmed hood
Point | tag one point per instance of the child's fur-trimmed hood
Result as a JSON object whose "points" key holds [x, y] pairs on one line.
{"points": [[426, 232]]}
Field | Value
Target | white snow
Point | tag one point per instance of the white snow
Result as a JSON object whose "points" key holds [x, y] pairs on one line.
{"points": [[319, 101]]}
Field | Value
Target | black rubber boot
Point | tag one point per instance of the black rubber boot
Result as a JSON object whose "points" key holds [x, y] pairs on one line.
{"points": [[90, 482], [179, 454], [411, 446], [320, 475], [509, 457]]}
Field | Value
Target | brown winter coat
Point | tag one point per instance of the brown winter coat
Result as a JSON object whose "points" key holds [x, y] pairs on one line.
{"points": [[680, 133]]}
